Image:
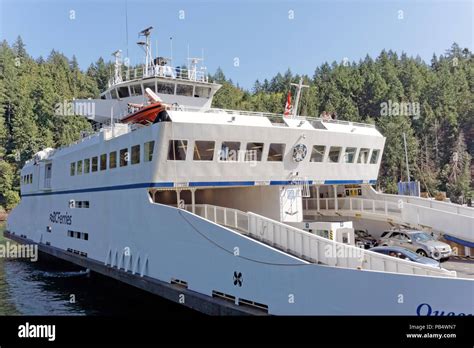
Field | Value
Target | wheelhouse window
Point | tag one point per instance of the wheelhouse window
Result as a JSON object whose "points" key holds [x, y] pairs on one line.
{"points": [[113, 160], [334, 154], [87, 165], [186, 90], [123, 92], [136, 90], [123, 157], [73, 168], [363, 156], [177, 150], [103, 161], [254, 152], [203, 150], [317, 153], [148, 151], [113, 93], [276, 152], [79, 167], [229, 151], [94, 163], [135, 154], [202, 92], [349, 155], [375, 157], [165, 88]]}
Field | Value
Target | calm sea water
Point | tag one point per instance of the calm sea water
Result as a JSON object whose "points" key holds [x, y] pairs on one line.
{"points": [[52, 287]]}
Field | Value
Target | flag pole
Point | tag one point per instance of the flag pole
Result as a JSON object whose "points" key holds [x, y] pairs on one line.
{"points": [[299, 87]]}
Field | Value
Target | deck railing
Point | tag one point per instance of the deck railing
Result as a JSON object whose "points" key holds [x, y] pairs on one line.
{"points": [[311, 247]]}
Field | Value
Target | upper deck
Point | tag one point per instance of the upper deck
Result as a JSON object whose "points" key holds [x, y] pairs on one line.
{"points": [[218, 146]]}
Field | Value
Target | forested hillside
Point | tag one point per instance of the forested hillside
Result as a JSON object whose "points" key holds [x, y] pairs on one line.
{"points": [[431, 102]]}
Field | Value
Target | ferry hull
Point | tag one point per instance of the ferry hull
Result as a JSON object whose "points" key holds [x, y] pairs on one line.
{"points": [[175, 245]]}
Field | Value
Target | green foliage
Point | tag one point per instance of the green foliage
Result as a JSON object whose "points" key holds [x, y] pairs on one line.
{"points": [[443, 92], [440, 140]]}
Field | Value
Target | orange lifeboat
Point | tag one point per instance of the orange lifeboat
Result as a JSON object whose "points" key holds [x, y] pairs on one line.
{"points": [[145, 115], [149, 113]]}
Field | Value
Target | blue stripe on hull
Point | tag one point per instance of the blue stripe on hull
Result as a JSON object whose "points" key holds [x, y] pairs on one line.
{"points": [[191, 184]]}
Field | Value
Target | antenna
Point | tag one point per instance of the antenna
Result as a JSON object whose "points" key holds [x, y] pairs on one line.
{"points": [[126, 26], [299, 87], [171, 44], [148, 54], [117, 66]]}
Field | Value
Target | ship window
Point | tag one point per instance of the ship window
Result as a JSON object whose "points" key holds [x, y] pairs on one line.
{"points": [[87, 165], [73, 168], [102, 96], [148, 151], [135, 154], [79, 167], [177, 150], [334, 153], [103, 161], [254, 152], [113, 160], [363, 156], [123, 157], [123, 92], [113, 93], [136, 89], [375, 156], [317, 153], [186, 90], [229, 151], [349, 156], [276, 152], [203, 150], [94, 164], [202, 92], [165, 88], [322, 233], [150, 85]]}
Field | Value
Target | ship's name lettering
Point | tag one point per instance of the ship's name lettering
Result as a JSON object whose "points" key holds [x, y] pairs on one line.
{"points": [[58, 218], [425, 309]]}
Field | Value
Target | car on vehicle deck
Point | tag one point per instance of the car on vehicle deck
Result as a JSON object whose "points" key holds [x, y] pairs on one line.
{"points": [[364, 239], [418, 241], [405, 254]]}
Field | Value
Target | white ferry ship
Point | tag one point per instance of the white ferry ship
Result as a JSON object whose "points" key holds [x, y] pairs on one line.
{"points": [[210, 208]]}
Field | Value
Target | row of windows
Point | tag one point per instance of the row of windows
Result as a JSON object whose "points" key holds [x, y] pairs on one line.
{"points": [[78, 235], [27, 179], [100, 162], [161, 87], [78, 204], [230, 150]]}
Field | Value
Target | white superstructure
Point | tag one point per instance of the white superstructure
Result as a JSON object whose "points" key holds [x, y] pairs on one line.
{"points": [[210, 199]]}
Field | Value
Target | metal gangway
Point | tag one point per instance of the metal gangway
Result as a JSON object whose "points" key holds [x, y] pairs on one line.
{"points": [[308, 246]]}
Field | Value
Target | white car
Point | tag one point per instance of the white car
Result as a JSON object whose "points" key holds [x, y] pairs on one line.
{"points": [[418, 241]]}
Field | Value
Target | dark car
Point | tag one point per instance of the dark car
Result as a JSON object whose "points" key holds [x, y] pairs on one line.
{"points": [[405, 254], [362, 238]]}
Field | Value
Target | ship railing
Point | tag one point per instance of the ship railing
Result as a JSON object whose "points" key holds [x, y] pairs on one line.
{"points": [[273, 117], [164, 71], [311, 247], [229, 217], [352, 204]]}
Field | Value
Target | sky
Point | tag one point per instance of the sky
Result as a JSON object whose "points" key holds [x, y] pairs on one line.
{"points": [[248, 39]]}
